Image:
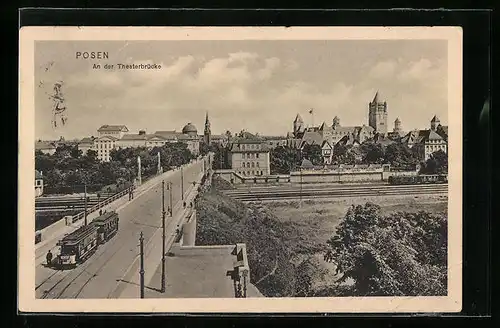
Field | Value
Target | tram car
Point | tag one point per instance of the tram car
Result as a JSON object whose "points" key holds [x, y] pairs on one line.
{"points": [[418, 179], [107, 226], [77, 246]]}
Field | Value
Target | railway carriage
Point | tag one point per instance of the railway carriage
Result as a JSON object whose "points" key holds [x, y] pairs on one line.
{"points": [[107, 226], [77, 246], [418, 179]]}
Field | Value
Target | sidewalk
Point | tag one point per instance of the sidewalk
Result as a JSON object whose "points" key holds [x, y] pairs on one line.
{"points": [[50, 241], [130, 283]]}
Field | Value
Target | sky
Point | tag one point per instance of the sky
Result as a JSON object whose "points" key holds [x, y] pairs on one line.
{"points": [[259, 86]]}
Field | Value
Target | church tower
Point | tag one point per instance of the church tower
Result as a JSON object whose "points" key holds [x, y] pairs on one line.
{"points": [[298, 125], [207, 135], [377, 116], [397, 125], [435, 122]]}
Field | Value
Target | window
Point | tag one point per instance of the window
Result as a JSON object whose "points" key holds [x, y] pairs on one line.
{"points": [[257, 155], [253, 156], [261, 173], [257, 164], [253, 164], [242, 164]]}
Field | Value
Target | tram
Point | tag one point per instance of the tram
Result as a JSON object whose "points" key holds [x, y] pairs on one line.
{"points": [[79, 245], [107, 226]]}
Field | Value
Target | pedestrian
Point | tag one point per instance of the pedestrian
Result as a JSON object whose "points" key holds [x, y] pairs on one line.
{"points": [[49, 258]]}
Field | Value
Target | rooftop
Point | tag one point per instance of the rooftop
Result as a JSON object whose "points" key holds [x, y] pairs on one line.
{"points": [[198, 272], [108, 128]]}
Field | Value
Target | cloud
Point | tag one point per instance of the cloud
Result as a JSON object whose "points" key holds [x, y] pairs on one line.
{"points": [[383, 69], [420, 70]]}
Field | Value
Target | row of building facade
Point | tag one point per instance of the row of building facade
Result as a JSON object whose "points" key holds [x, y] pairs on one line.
{"points": [[249, 155]]}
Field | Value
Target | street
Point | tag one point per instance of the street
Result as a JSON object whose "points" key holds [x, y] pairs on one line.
{"points": [[98, 277]]}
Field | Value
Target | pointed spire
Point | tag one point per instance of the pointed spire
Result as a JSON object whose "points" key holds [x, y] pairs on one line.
{"points": [[397, 120], [323, 126], [435, 119], [298, 118], [375, 99]]}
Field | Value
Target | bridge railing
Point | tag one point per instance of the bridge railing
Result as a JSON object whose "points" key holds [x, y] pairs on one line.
{"points": [[102, 204]]}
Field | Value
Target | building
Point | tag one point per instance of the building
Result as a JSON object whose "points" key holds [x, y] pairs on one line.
{"points": [[332, 134], [45, 147], [207, 134], [116, 131], [108, 135], [86, 144], [397, 132], [249, 156], [377, 114], [275, 141], [431, 140], [38, 183]]}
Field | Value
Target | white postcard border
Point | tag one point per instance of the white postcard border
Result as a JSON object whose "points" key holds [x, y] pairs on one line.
{"points": [[26, 197]]}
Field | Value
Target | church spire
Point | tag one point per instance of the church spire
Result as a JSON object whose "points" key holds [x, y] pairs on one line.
{"points": [[207, 135]]}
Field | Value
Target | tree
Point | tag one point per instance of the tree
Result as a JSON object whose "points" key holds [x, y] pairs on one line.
{"points": [[313, 153], [283, 160], [343, 154], [399, 155], [436, 164], [373, 153], [400, 254]]}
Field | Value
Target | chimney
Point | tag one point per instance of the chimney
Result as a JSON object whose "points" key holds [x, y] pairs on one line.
{"points": [[142, 132]]}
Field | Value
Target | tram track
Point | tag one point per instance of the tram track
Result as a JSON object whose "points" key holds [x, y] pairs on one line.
{"points": [[91, 261], [108, 251]]}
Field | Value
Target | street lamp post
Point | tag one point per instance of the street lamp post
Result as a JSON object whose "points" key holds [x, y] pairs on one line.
{"points": [[300, 204], [85, 214], [163, 237], [182, 183], [171, 201], [141, 272]]}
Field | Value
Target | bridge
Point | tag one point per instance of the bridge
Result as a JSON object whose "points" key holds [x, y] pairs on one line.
{"points": [[112, 272]]}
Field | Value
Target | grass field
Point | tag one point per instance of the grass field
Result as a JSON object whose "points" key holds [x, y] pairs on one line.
{"points": [[316, 221]]}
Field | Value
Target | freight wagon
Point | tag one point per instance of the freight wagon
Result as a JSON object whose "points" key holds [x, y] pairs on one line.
{"points": [[418, 179]]}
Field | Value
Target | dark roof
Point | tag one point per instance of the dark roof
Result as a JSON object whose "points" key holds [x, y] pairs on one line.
{"points": [[78, 234], [107, 127], [44, 145], [106, 216], [134, 137], [87, 140], [189, 128], [312, 138]]}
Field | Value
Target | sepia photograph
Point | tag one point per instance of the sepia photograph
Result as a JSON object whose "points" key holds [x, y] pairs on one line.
{"points": [[295, 170]]}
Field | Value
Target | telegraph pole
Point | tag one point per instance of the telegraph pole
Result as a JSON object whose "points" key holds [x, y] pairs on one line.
{"points": [[300, 204], [85, 188], [141, 240], [182, 183], [163, 237], [171, 202]]}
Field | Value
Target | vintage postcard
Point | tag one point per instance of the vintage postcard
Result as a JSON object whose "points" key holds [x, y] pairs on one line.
{"points": [[240, 169]]}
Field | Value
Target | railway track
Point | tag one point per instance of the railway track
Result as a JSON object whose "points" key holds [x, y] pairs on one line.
{"points": [[340, 192]]}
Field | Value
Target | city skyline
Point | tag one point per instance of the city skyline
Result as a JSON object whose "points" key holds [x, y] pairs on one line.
{"points": [[256, 86]]}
